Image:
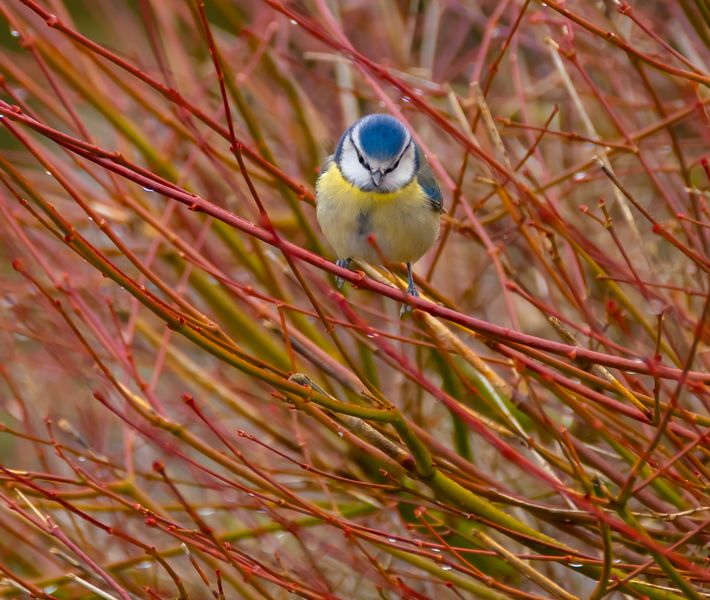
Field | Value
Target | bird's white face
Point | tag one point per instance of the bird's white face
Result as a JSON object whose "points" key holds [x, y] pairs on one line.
{"points": [[372, 174]]}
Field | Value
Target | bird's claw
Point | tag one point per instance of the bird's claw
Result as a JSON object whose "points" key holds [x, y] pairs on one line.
{"points": [[406, 309], [411, 290], [343, 263]]}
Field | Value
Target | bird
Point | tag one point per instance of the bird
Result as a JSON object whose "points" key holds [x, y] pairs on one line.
{"points": [[377, 197]]}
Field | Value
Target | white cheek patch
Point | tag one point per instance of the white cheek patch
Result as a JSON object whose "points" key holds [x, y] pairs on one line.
{"points": [[403, 174], [351, 168]]}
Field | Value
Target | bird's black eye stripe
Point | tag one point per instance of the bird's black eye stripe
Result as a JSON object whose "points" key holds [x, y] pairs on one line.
{"points": [[396, 163], [394, 166], [362, 160], [360, 157]]}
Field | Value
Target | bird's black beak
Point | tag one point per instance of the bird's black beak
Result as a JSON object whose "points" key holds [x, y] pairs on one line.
{"points": [[377, 177]]}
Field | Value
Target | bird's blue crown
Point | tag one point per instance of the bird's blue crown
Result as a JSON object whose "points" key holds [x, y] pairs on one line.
{"points": [[382, 137]]}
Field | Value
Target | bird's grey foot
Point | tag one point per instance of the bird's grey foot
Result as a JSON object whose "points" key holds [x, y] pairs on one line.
{"points": [[345, 264], [411, 290]]}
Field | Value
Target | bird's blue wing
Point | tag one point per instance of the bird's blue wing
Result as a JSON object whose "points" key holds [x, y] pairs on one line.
{"points": [[427, 181]]}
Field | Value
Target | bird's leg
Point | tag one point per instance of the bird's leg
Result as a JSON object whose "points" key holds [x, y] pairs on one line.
{"points": [[411, 290], [345, 264]]}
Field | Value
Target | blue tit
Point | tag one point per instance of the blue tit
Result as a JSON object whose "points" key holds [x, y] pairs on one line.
{"points": [[378, 185]]}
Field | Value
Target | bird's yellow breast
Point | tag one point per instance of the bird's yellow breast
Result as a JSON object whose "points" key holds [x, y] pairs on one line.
{"points": [[402, 222], [332, 183]]}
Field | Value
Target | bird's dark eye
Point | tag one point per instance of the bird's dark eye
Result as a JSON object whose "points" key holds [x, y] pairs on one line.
{"points": [[396, 163], [361, 160], [394, 166], [360, 157]]}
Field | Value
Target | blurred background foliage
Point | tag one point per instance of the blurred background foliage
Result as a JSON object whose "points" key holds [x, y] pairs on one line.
{"points": [[188, 406]]}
